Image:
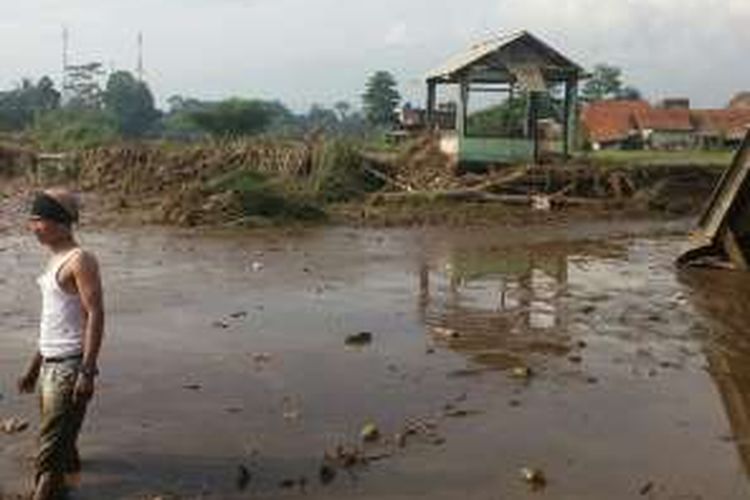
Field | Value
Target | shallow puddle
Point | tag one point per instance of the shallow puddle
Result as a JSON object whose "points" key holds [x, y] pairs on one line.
{"points": [[579, 351]]}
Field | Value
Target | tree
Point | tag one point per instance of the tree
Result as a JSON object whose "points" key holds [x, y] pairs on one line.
{"points": [[83, 86], [606, 83], [381, 98], [19, 106], [131, 103], [630, 93], [343, 108]]}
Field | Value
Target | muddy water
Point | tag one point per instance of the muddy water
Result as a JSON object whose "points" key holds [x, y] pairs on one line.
{"points": [[226, 351]]}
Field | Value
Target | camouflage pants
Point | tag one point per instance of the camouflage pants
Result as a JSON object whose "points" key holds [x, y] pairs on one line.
{"points": [[61, 419]]}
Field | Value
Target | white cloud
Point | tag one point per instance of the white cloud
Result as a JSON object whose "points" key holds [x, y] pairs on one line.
{"points": [[397, 35]]}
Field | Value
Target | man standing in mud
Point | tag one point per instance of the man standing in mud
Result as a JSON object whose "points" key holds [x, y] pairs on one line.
{"points": [[70, 337]]}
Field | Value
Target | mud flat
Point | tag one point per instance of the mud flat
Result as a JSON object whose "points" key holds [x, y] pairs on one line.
{"points": [[401, 363]]}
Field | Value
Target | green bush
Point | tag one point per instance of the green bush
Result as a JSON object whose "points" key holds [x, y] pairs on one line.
{"points": [[273, 198], [67, 129], [337, 173]]}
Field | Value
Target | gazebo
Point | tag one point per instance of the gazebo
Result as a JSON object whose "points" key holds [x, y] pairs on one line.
{"points": [[518, 64]]}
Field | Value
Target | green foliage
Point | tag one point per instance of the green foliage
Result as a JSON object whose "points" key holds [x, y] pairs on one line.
{"points": [[235, 117], [65, 129], [131, 104], [83, 85], [18, 107], [271, 198], [504, 120], [337, 173], [606, 83], [381, 98]]}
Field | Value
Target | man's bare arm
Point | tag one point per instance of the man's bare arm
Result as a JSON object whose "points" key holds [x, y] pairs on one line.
{"points": [[27, 382], [89, 286]]}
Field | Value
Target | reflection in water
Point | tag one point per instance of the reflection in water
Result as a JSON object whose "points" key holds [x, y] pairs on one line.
{"points": [[498, 307], [723, 298]]}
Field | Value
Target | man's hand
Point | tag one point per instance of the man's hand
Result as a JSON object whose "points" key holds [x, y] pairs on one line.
{"points": [[27, 383], [84, 389]]}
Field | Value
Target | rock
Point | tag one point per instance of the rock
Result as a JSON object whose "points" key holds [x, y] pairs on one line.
{"points": [[192, 387], [287, 483], [521, 372], [220, 324], [13, 425], [261, 357], [326, 474], [238, 315], [646, 488], [534, 477], [257, 266], [243, 477], [444, 333], [575, 358], [358, 339], [400, 439], [370, 433]]}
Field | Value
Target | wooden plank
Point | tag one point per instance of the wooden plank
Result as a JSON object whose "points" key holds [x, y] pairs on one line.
{"points": [[724, 196], [734, 250]]}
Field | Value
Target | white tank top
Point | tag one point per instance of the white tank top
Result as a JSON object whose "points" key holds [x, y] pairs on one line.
{"points": [[61, 326]]}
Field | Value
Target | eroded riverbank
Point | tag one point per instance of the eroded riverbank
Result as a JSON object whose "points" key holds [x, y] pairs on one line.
{"points": [[226, 354]]}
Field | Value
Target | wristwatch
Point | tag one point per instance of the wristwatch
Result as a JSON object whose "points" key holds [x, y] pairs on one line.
{"points": [[89, 371]]}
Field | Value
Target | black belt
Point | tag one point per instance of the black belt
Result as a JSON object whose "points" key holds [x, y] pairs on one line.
{"points": [[63, 358]]}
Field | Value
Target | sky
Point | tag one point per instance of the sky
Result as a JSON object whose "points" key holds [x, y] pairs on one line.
{"points": [[322, 51]]}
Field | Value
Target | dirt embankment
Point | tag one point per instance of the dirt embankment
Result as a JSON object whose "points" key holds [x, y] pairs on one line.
{"points": [[180, 185], [217, 183]]}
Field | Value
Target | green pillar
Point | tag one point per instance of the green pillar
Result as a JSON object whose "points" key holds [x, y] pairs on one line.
{"points": [[462, 111], [570, 120]]}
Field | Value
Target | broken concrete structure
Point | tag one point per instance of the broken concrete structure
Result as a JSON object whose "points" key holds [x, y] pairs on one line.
{"points": [[723, 233]]}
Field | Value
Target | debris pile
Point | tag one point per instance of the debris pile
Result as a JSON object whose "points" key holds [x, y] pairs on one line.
{"points": [[177, 182]]}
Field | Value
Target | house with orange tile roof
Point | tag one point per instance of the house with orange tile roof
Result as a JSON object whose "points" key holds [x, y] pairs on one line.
{"points": [[639, 125]]}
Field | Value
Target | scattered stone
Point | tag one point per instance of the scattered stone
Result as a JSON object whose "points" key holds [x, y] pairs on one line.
{"points": [[581, 344], [575, 358], [192, 387], [592, 380], [13, 425], [521, 372], [515, 403], [220, 324], [646, 488], [326, 474], [257, 266], [444, 333], [588, 309], [238, 315], [261, 357], [400, 439], [243, 477], [358, 339], [287, 484], [534, 477], [370, 433], [460, 413]]}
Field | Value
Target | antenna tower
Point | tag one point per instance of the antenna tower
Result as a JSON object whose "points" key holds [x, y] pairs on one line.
{"points": [[64, 80], [139, 69]]}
